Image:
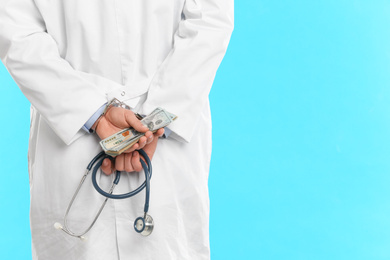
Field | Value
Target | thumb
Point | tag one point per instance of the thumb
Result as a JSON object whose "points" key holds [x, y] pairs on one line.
{"points": [[134, 122]]}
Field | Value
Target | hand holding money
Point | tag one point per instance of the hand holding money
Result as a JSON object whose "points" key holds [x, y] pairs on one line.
{"points": [[117, 119], [127, 138], [130, 162]]}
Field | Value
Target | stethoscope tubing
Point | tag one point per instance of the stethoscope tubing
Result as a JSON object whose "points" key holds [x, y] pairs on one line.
{"points": [[147, 167], [97, 161]]}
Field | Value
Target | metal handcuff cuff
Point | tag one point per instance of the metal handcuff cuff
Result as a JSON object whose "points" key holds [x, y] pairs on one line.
{"points": [[143, 224]]}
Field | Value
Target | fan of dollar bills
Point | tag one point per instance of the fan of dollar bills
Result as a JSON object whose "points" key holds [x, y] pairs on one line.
{"points": [[119, 142]]}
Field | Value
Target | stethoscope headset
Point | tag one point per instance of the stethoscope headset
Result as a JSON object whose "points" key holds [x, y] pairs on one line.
{"points": [[143, 224]]}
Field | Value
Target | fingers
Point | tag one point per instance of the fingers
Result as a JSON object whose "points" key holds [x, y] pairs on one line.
{"points": [[137, 166], [128, 162], [144, 140], [120, 162], [107, 166], [122, 118], [151, 147], [134, 122], [160, 132], [149, 137], [132, 148]]}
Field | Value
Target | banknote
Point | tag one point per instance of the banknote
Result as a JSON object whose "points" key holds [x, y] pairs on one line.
{"points": [[171, 116], [124, 139], [156, 120], [119, 138]]}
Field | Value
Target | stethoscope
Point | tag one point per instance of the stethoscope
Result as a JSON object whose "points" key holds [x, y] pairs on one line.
{"points": [[143, 224]]}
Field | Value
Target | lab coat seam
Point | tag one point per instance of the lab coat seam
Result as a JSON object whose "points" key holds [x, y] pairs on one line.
{"points": [[119, 45]]}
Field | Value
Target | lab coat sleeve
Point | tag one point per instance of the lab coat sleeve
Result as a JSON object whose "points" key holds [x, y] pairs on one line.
{"points": [[183, 82], [65, 97]]}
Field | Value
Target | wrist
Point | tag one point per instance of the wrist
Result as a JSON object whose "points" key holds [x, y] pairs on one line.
{"points": [[95, 125], [103, 112]]}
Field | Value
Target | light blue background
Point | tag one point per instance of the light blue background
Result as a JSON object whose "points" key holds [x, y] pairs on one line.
{"points": [[301, 112]]}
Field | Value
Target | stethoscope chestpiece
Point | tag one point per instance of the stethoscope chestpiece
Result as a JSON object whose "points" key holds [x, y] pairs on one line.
{"points": [[144, 225]]}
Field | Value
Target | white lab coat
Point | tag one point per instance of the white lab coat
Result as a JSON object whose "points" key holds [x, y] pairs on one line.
{"points": [[69, 58]]}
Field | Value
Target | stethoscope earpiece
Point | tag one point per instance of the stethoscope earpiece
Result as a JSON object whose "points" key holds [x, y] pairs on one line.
{"points": [[144, 225]]}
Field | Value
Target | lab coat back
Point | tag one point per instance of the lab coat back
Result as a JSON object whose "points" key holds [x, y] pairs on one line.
{"points": [[71, 57]]}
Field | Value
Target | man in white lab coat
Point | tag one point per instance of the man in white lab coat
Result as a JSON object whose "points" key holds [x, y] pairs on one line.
{"points": [[70, 58]]}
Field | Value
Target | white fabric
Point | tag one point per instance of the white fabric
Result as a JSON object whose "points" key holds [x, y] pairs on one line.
{"points": [[69, 58]]}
